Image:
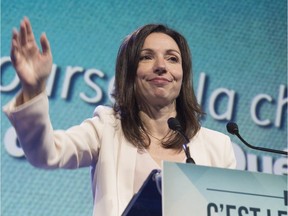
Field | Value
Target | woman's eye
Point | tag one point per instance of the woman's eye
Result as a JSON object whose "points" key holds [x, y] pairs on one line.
{"points": [[173, 59], [145, 57]]}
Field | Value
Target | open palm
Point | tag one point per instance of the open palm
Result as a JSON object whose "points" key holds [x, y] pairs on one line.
{"points": [[32, 66]]}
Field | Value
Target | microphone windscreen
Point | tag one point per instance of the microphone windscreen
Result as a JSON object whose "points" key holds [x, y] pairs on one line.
{"points": [[174, 124], [232, 128]]}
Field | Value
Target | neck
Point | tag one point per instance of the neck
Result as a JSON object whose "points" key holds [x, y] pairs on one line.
{"points": [[157, 111], [155, 120]]}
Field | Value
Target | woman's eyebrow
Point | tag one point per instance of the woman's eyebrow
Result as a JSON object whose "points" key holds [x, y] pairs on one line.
{"points": [[168, 50], [173, 50]]}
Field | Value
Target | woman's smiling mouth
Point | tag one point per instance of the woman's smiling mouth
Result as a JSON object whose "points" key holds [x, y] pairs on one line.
{"points": [[159, 80]]}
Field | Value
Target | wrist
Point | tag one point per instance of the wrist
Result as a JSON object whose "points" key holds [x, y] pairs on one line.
{"points": [[30, 93]]}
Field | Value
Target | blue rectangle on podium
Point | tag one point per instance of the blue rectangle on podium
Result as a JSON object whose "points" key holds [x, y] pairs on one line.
{"points": [[147, 202], [199, 190]]}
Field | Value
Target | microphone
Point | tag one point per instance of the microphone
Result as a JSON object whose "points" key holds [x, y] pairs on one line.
{"points": [[175, 125], [232, 128]]}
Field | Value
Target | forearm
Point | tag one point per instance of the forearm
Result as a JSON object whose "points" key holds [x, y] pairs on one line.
{"points": [[45, 148], [33, 128]]}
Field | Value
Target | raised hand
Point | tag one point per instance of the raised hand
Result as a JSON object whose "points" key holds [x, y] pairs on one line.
{"points": [[32, 65]]}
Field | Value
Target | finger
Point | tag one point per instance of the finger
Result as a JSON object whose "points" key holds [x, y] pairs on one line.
{"points": [[14, 55], [14, 46], [45, 44], [23, 33], [29, 31], [15, 37]]}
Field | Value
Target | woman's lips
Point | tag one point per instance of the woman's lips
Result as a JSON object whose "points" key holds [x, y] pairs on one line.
{"points": [[159, 80]]}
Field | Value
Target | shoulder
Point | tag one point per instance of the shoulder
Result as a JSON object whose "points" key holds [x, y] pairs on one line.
{"points": [[105, 114], [210, 132], [103, 110], [212, 136], [215, 148]]}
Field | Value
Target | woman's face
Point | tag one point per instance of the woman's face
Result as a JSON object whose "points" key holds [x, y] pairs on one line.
{"points": [[159, 73]]}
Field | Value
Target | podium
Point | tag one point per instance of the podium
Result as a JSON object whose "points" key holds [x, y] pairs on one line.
{"points": [[200, 190]]}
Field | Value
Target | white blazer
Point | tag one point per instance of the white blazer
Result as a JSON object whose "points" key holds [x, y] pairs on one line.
{"points": [[100, 141]]}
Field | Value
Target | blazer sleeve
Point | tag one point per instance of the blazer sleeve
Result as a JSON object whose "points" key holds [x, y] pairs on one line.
{"points": [[45, 148]]}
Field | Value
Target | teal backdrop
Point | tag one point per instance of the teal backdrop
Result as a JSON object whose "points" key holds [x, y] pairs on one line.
{"points": [[239, 55]]}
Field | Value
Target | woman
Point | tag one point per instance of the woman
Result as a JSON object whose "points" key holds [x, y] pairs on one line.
{"points": [[152, 84]]}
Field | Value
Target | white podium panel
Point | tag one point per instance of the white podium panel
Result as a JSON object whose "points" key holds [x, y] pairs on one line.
{"points": [[199, 190]]}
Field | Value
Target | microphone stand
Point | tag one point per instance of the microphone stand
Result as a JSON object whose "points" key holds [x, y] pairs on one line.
{"points": [[175, 125], [261, 148], [189, 159], [232, 128]]}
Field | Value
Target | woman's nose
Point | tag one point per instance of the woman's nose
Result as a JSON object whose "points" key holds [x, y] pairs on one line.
{"points": [[160, 66]]}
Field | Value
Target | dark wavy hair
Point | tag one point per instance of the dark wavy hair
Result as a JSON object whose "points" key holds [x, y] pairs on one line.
{"points": [[188, 110]]}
